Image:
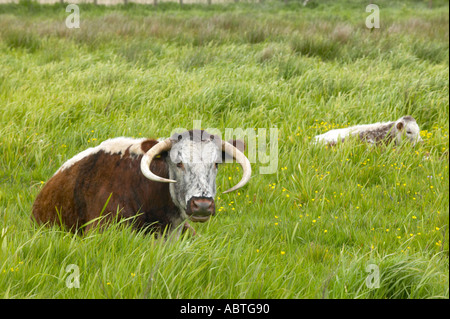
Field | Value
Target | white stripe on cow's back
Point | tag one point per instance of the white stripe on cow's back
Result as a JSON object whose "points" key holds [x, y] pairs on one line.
{"points": [[334, 135], [117, 145]]}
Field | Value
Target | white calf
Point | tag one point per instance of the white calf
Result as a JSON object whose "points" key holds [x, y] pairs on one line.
{"points": [[405, 127]]}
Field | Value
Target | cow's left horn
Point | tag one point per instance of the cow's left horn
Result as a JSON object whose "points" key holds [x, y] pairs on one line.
{"points": [[242, 160], [162, 146]]}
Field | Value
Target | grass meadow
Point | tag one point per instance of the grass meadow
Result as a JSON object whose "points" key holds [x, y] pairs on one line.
{"points": [[310, 230]]}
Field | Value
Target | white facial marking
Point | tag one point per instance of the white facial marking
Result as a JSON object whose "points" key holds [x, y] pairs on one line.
{"points": [[411, 131], [193, 165]]}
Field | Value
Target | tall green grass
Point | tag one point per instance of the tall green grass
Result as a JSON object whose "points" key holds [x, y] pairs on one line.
{"points": [[307, 231]]}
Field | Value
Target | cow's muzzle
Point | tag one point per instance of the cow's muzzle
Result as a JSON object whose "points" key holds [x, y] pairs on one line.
{"points": [[199, 209]]}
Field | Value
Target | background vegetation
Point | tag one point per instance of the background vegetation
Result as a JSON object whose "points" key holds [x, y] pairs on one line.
{"points": [[308, 231]]}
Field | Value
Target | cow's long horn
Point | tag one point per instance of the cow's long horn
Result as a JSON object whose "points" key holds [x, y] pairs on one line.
{"points": [[242, 160], [162, 146]]}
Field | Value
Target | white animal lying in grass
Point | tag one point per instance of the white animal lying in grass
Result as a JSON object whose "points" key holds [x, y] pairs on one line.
{"points": [[405, 127]]}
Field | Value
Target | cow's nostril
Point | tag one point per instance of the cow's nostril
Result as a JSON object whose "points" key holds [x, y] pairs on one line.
{"points": [[202, 206]]}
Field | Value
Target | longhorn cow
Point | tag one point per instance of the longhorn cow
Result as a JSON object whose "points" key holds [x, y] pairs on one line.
{"points": [[157, 184]]}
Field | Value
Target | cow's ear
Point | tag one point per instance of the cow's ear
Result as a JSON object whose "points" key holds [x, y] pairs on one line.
{"points": [[400, 126], [239, 144]]}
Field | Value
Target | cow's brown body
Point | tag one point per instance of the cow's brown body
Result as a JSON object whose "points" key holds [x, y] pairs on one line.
{"points": [[78, 194]]}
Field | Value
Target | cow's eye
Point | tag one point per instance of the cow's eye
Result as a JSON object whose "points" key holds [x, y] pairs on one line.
{"points": [[180, 165], [409, 132]]}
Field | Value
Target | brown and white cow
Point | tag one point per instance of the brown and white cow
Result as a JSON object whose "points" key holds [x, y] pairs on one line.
{"points": [[160, 184]]}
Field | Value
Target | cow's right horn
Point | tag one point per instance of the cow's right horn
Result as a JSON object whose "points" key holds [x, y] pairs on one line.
{"points": [[242, 160], [162, 146]]}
